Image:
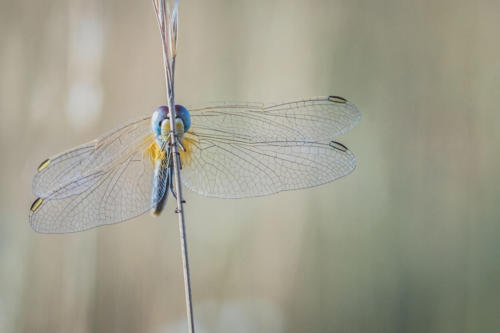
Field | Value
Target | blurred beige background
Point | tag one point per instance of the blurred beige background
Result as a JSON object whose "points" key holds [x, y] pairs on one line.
{"points": [[407, 243]]}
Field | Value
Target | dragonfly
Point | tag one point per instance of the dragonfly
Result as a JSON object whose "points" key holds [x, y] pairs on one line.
{"points": [[226, 150]]}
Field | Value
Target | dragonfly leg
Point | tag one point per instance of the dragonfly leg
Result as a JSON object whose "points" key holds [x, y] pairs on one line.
{"points": [[179, 159], [172, 189], [169, 159], [181, 146]]}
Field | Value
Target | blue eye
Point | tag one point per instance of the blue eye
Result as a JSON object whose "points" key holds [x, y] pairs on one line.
{"points": [[183, 113], [160, 114]]}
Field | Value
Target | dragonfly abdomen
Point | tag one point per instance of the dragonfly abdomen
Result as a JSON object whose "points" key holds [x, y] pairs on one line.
{"points": [[161, 185]]}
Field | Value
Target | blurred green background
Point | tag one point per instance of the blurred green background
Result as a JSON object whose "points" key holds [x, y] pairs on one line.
{"points": [[407, 243]]}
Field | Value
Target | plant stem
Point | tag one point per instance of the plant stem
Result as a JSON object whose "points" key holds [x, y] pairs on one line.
{"points": [[167, 21]]}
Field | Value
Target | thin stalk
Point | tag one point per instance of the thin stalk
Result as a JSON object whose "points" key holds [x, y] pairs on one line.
{"points": [[167, 21]]}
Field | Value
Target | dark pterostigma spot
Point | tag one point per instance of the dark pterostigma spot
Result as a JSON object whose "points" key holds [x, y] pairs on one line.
{"points": [[338, 146], [43, 165], [337, 99], [36, 204]]}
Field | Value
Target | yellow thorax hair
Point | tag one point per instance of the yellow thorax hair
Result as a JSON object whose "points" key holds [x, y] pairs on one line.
{"points": [[154, 152]]}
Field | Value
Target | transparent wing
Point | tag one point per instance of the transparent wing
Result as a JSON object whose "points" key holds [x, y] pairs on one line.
{"points": [[242, 150], [227, 169], [85, 187], [316, 119], [98, 154]]}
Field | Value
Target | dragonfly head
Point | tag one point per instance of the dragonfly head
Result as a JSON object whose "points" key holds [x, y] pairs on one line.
{"points": [[161, 116]]}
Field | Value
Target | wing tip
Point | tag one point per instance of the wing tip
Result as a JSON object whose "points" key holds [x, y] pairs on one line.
{"points": [[341, 100]]}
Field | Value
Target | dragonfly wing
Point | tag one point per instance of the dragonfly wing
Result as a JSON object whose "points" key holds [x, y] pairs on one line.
{"points": [[61, 169], [315, 119], [234, 169], [114, 184], [239, 150]]}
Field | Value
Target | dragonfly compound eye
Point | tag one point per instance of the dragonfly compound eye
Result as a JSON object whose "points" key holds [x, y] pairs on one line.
{"points": [[159, 115]]}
